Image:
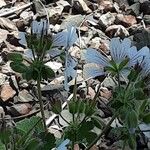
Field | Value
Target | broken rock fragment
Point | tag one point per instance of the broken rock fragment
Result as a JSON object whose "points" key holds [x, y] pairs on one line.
{"points": [[117, 30], [107, 19], [20, 109], [125, 20], [7, 92], [81, 6], [105, 5]]}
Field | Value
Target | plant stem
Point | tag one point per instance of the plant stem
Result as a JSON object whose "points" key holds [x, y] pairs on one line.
{"points": [[118, 76], [41, 103], [103, 132]]}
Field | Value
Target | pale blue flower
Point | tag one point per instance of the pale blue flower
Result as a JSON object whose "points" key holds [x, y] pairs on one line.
{"points": [[70, 62], [119, 51], [66, 38]]}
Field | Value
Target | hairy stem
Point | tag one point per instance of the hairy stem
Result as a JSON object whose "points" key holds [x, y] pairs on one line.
{"points": [[119, 83], [103, 132], [41, 103]]}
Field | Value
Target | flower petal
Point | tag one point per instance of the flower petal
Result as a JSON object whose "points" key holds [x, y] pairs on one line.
{"points": [[92, 70], [137, 56], [71, 36], [145, 65], [60, 39], [39, 27], [118, 49], [65, 38], [93, 56]]}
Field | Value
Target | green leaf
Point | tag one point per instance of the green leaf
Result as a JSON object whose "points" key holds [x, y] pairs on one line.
{"points": [[131, 119], [33, 124], [18, 67], [96, 121], [48, 141], [139, 94], [89, 110], [15, 57], [47, 72], [2, 146], [111, 69], [143, 106], [123, 64], [114, 65], [132, 142], [140, 84], [28, 75], [5, 136], [32, 145], [146, 118], [85, 127], [81, 106], [90, 136], [72, 107], [133, 75]]}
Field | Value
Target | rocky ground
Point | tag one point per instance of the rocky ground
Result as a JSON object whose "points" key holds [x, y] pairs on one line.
{"points": [[97, 22]]}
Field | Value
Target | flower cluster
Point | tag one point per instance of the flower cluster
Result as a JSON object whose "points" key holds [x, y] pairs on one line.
{"points": [[40, 43], [122, 53]]}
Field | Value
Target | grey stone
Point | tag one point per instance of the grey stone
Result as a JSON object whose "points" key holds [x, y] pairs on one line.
{"points": [[107, 19], [25, 96]]}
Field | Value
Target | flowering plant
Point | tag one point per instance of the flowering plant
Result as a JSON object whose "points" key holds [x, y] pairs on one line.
{"points": [[130, 99], [123, 58], [40, 43]]}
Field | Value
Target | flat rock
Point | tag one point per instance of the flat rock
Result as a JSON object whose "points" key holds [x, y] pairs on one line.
{"points": [[2, 78], [3, 35], [104, 92], [91, 92], [105, 5], [117, 30], [147, 19], [145, 7], [81, 6], [95, 42], [107, 19], [125, 20], [104, 46], [134, 9], [7, 92], [20, 109], [54, 65], [25, 96], [122, 3], [6, 23], [2, 3]]}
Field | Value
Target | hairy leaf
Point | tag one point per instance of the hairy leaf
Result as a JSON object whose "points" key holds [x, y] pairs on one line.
{"points": [[18, 67], [15, 57]]}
